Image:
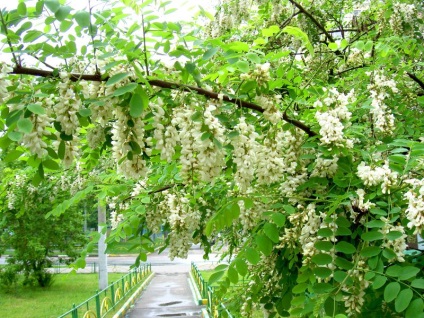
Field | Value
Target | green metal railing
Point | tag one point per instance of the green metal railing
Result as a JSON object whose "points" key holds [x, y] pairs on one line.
{"points": [[106, 300], [214, 305]]}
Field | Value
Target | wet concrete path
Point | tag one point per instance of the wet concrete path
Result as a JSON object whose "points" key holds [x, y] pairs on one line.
{"points": [[168, 295]]}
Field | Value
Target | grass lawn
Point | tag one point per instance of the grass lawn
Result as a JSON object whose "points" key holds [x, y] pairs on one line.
{"points": [[37, 302]]}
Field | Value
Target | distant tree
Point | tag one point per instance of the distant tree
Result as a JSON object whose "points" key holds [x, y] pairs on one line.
{"points": [[25, 228]]}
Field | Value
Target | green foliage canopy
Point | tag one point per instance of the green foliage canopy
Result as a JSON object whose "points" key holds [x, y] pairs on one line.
{"points": [[292, 128]]}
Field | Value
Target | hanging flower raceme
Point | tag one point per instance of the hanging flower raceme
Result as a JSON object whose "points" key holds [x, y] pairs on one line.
{"points": [[128, 144], [383, 119], [372, 176], [333, 116], [244, 154], [415, 211]]}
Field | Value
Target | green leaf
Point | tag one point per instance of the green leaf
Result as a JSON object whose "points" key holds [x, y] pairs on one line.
{"points": [[324, 245], [264, 244], [279, 218], [51, 164], [116, 78], [85, 112], [375, 224], [370, 251], [300, 288], [394, 271], [137, 105], [322, 288], [82, 18], [14, 135], [272, 232], [345, 247], [215, 277], [418, 283], [32, 35], [232, 275], [125, 89], [241, 266], [62, 13], [36, 109], [298, 33], [22, 9], [52, 5], [243, 66], [13, 155], [415, 309], [325, 232], [322, 259], [340, 276], [372, 236], [61, 150], [403, 299], [333, 46], [252, 256], [408, 272], [393, 235], [391, 291], [322, 272], [379, 281], [25, 125]]}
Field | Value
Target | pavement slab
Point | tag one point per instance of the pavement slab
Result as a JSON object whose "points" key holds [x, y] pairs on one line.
{"points": [[168, 295]]}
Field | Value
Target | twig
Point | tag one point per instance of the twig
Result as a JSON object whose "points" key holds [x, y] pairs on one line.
{"points": [[38, 59], [416, 79], [146, 61], [90, 8], [3, 23], [169, 85]]}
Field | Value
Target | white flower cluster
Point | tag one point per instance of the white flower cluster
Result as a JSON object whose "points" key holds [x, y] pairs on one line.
{"points": [[211, 155], [138, 188], [398, 246], [402, 13], [67, 105], [378, 175], [95, 136], [34, 140], [361, 205], [18, 183], [125, 139], [415, 211], [269, 104], [115, 219], [183, 221], [325, 168], [203, 157], [355, 292], [244, 154], [249, 218], [102, 109], [260, 74], [333, 116], [4, 82], [288, 188], [383, 119], [166, 137]]}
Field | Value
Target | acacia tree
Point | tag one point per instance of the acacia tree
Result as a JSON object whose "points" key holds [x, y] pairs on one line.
{"points": [[290, 127]]}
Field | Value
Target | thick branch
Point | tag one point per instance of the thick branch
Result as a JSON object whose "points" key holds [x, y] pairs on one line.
{"points": [[165, 84], [315, 21], [416, 79]]}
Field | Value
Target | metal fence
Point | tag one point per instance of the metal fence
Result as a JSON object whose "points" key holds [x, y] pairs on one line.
{"points": [[214, 305], [106, 300]]}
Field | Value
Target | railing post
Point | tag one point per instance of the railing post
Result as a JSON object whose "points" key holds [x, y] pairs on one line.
{"points": [[98, 304], [205, 289], [112, 296], [74, 311]]}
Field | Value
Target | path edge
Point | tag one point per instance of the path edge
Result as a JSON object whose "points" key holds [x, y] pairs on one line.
{"points": [[134, 297], [196, 295]]}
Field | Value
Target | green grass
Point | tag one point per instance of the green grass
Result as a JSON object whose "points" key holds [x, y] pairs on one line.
{"points": [[53, 301]]}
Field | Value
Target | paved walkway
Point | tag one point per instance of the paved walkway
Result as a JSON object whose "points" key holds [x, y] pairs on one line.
{"points": [[168, 295]]}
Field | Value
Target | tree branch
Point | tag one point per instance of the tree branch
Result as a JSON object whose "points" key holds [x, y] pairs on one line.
{"points": [[416, 79], [315, 21], [164, 84]]}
